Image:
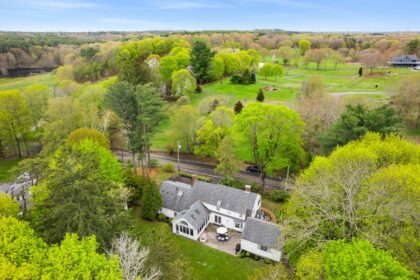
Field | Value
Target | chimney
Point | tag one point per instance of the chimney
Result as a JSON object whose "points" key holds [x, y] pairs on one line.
{"points": [[193, 179], [247, 188]]}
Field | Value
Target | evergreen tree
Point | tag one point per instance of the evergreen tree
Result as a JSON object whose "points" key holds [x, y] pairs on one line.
{"points": [[151, 201], [260, 96], [238, 107], [201, 56], [360, 71], [80, 194]]}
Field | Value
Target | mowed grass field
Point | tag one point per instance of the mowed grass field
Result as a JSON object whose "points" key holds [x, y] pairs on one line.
{"points": [[48, 79]]}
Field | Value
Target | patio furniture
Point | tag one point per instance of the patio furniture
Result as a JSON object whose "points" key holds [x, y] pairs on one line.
{"points": [[221, 230], [203, 237]]}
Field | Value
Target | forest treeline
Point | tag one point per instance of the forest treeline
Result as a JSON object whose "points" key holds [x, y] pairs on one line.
{"points": [[25, 50]]}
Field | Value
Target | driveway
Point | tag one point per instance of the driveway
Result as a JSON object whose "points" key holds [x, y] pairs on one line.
{"points": [[225, 246]]}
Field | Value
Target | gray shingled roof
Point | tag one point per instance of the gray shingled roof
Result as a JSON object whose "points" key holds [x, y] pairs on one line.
{"points": [[263, 233], [176, 195], [230, 198], [195, 215], [405, 59]]}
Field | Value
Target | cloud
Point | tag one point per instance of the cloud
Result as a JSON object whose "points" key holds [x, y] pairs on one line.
{"points": [[289, 3], [51, 4], [135, 24], [186, 4]]}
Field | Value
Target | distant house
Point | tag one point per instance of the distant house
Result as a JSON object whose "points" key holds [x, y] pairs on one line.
{"points": [[193, 207], [409, 60]]}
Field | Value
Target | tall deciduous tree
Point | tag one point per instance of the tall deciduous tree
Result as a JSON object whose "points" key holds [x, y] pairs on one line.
{"points": [[304, 46], [355, 260], [273, 135], [347, 195], [406, 99], [183, 83], [62, 117], [225, 155], [15, 120], [212, 130], [37, 98], [25, 256], [8, 206], [183, 128]]}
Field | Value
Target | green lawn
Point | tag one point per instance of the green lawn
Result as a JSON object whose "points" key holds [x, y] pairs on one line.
{"points": [[343, 82], [20, 83], [206, 262], [5, 166]]}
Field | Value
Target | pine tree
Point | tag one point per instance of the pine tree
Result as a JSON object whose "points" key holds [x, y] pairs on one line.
{"points": [[151, 201], [360, 71], [238, 107], [260, 96]]}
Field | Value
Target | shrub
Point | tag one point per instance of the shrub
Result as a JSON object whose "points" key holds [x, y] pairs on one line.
{"points": [[154, 163], [268, 261], [278, 195], [199, 177], [168, 167], [198, 89], [236, 79], [240, 184], [260, 96], [183, 100]]}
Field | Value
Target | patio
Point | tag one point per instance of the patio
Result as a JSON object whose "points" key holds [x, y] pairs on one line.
{"points": [[225, 246]]}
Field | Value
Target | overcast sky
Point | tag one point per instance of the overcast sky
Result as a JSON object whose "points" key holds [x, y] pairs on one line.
{"points": [[130, 15]]}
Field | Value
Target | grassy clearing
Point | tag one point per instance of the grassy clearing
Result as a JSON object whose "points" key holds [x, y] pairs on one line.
{"points": [[206, 262], [5, 166], [48, 79]]}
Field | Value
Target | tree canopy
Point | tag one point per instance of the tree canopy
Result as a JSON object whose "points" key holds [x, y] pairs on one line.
{"points": [[351, 193], [272, 135], [80, 194]]}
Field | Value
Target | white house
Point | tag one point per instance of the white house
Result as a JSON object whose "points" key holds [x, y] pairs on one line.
{"points": [[262, 238], [193, 207]]}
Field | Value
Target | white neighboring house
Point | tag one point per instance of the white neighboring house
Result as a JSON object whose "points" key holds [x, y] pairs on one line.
{"points": [[262, 238], [192, 208]]}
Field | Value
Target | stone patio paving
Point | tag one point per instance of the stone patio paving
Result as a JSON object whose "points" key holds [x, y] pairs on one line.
{"points": [[225, 246]]}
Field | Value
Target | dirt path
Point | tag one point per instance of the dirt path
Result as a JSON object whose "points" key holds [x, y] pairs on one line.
{"points": [[344, 93]]}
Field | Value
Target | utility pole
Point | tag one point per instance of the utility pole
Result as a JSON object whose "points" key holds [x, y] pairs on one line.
{"points": [[179, 148]]}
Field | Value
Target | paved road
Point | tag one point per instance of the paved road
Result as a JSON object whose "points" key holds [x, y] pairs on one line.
{"points": [[203, 168], [356, 93]]}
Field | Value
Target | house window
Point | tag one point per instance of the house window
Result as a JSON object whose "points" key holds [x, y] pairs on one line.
{"points": [[177, 228], [217, 219], [175, 213], [238, 225], [263, 248], [191, 232]]}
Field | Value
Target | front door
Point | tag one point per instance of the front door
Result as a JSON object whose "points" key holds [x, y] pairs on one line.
{"points": [[217, 219]]}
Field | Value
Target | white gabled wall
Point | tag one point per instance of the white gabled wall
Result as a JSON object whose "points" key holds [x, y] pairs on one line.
{"points": [[255, 249], [178, 222], [167, 212]]}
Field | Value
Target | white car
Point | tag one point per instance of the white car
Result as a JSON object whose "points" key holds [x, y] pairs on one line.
{"points": [[417, 68]]}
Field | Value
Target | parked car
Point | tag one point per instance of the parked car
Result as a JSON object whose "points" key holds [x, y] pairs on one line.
{"points": [[417, 68], [253, 169]]}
